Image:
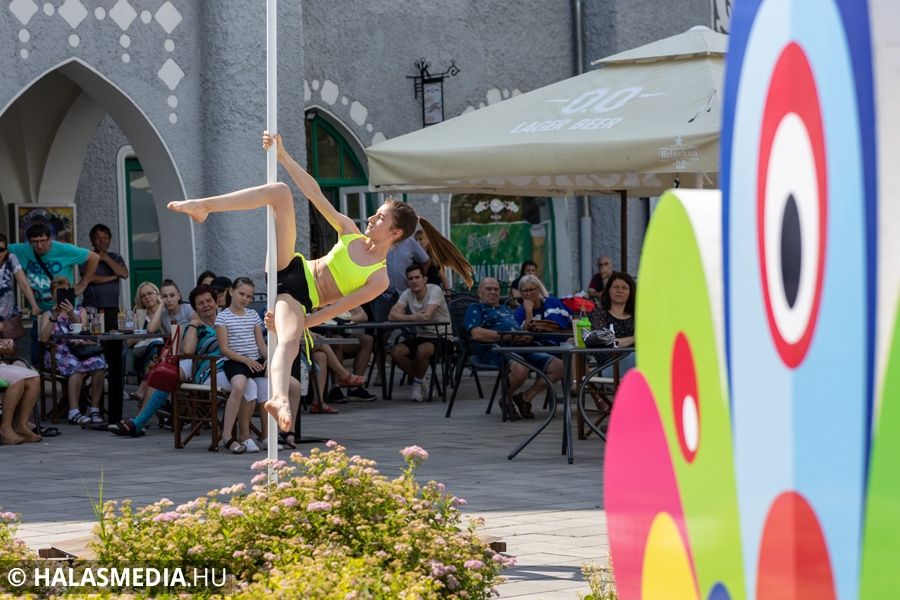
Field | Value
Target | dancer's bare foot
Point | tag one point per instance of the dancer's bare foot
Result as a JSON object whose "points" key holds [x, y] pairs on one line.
{"points": [[281, 411], [28, 436], [192, 208]]}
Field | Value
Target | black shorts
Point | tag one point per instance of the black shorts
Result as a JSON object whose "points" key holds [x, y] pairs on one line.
{"points": [[292, 281], [413, 343], [232, 368]]}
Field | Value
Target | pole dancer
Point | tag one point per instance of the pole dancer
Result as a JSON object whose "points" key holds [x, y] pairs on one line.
{"points": [[352, 273]]}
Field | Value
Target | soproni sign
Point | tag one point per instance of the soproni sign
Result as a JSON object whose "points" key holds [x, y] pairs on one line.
{"points": [[596, 101]]}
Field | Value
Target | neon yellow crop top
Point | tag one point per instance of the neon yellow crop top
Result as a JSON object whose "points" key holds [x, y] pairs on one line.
{"points": [[348, 275]]}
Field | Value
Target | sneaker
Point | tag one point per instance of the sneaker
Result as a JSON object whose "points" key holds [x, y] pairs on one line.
{"points": [[336, 396], [426, 385], [417, 395], [263, 445], [250, 445], [360, 394]]}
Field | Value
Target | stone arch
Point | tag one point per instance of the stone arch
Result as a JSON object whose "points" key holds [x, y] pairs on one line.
{"points": [[47, 169]]}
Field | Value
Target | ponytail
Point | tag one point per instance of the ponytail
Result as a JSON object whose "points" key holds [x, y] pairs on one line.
{"points": [[445, 253]]}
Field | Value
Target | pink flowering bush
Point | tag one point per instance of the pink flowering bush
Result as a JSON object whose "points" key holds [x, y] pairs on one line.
{"points": [[334, 527], [12, 548]]}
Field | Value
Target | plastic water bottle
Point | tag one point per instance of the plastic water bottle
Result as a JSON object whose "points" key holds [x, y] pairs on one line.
{"points": [[129, 319], [581, 326]]}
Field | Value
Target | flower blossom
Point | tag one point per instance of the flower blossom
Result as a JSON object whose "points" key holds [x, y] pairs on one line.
{"points": [[289, 501], [166, 517], [7, 517], [414, 453], [473, 564], [231, 511], [318, 506], [232, 489], [331, 444]]}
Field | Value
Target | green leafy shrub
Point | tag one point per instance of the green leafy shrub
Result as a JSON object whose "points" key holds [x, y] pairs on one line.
{"points": [[334, 527]]}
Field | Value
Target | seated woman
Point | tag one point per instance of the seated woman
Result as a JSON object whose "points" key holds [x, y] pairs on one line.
{"points": [[529, 267], [173, 310], [540, 311], [19, 397], [146, 351], [616, 309], [351, 274], [60, 319]]}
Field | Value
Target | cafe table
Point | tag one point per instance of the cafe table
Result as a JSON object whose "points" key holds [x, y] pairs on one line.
{"points": [[113, 344], [605, 357], [380, 331]]}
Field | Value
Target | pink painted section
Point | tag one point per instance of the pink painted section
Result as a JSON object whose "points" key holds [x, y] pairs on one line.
{"points": [[639, 482]]}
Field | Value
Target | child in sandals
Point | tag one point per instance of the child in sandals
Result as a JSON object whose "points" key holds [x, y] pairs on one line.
{"points": [[239, 332]]}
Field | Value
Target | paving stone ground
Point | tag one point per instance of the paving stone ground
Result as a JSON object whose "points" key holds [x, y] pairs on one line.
{"points": [[548, 512]]}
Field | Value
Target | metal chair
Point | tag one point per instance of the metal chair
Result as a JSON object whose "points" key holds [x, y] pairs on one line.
{"points": [[466, 350]]}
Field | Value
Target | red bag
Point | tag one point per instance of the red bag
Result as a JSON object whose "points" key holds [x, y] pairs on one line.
{"points": [[166, 375], [576, 305]]}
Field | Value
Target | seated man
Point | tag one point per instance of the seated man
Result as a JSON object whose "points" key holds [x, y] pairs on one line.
{"points": [[362, 353], [598, 281], [484, 322], [421, 301]]}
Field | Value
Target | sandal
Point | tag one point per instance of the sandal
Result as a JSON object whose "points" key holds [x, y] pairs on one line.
{"points": [[95, 417], [524, 406], [317, 409], [351, 381], [79, 419], [47, 431], [234, 446], [289, 440], [125, 428]]}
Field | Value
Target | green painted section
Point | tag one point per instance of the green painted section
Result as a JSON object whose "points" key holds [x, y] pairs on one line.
{"points": [[673, 297], [880, 577]]}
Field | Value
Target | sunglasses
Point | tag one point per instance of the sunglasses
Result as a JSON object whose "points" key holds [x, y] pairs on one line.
{"points": [[2, 249]]}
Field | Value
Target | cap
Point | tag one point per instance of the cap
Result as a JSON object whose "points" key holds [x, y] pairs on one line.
{"points": [[220, 283]]}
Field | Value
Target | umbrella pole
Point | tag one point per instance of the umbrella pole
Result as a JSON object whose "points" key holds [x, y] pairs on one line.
{"points": [[623, 230]]}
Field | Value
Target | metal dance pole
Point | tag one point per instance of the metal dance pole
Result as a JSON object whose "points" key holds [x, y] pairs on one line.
{"points": [[271, 177]]}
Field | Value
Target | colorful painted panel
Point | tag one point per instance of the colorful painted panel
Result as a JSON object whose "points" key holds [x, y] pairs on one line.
{"points": [[768, 361]]}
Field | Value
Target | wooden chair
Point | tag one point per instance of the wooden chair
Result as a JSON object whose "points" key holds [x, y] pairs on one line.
{"points": [[197, 405], [53, 377]]}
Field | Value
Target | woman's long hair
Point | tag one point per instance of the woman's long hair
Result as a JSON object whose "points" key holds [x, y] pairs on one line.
{"points": [[629, 304], [444, 253]]}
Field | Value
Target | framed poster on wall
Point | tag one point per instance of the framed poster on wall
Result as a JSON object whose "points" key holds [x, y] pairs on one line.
{"points": [[59, 218]]}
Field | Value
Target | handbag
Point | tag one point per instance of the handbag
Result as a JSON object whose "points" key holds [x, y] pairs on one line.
{"points": [[166, 374], [601, 338], [12, 328], [86, 351]]}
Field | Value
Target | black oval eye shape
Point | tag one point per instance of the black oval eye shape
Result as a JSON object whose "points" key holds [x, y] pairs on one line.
{"points": [[791, 250]]}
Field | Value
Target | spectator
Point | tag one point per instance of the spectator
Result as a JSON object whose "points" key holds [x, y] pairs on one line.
{"points": [[11, 273], [220, 286], [401, 255], [19, 397], [199, 338], [421, 301], [206, 278], [601, 278], [146, 351], [484, 322], [43, 259], [529, 267], [616, 310], [360, 362], [239, 331], [434, 274], [172, 309], [102, 291], [540, 311], [59, 319]]}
